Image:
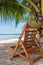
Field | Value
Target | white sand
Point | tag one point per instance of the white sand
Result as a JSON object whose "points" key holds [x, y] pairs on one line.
{"points": [[10, 40]]}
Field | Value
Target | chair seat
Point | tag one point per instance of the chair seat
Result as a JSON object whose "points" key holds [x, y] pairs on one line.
{"points": [[12, 46]]}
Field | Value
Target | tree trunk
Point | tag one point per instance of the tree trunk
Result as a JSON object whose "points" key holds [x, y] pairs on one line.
{"points": [[41, 29]]}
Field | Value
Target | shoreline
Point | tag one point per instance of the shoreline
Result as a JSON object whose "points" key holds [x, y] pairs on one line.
{"points": [[14, 40], [8, 41]]}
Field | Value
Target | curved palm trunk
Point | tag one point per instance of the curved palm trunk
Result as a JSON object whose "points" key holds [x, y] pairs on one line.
{"points": [[39, 16]]}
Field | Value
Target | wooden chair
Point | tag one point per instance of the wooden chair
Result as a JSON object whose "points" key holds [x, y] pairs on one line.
{"points": [[28, 45]]}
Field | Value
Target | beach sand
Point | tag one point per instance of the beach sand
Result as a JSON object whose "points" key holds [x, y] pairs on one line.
{"points": [[5, 54]]}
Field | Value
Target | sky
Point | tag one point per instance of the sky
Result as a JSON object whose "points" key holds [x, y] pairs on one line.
{"points": [[9, 27]]}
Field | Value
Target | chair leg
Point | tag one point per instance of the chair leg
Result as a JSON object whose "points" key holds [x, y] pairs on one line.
{"points": [[28, 59], [14, 50], [26, 53], [38, 46]]}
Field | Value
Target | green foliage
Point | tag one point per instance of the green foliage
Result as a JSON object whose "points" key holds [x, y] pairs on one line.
{"points": [[18, 10], [36, 0], [9, 8], [33, 4]]}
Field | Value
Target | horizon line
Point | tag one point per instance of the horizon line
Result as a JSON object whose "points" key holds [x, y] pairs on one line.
{"points": [[10, 34]]}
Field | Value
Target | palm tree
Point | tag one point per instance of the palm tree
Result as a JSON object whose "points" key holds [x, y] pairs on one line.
{"points": [[17, 9]]}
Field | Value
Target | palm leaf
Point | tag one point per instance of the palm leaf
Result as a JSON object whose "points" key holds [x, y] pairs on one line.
{"points": [[36, 0], [26, 8], [33, 4]]}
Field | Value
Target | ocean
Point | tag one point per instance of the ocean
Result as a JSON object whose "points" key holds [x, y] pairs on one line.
{"points": [[9, 31], [7, 36]]}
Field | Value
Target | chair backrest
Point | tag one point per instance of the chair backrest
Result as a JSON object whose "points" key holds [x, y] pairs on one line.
{"points": [[30, 35]]}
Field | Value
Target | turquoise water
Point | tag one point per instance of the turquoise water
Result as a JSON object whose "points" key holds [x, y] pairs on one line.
{"points": [[8, 29], [4, 37]]}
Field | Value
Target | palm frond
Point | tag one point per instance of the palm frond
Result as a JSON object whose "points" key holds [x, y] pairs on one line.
{"points": [[36, 0], [26, 8], [33, 4]]}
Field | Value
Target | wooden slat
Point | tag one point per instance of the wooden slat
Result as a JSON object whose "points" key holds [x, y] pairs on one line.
{"points": [[30, 38], [26, 53], [15, 49], [32, 49], [29, 45], [30, 34], [28, 29], [28, 41]]}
